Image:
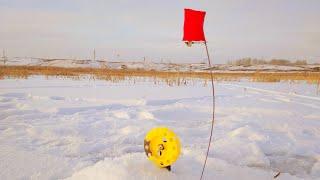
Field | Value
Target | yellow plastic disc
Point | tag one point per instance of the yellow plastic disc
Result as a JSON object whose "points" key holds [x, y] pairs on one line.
{"points": [[162, 146]]}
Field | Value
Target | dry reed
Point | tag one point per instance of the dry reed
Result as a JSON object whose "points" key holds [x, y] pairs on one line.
{"points": [[171, 78]]}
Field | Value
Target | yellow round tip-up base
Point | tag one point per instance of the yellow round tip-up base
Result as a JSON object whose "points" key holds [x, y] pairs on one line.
{"points": [[162, 146]]}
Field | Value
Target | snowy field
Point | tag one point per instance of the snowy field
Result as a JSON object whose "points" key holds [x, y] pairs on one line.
{"points": [[85, 129], [159, 66]]}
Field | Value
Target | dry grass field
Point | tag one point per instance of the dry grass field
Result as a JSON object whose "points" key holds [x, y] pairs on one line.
{"points": [[172, 78]]}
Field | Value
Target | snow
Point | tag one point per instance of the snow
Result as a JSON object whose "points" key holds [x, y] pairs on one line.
{"points": [[67, 63], [149, 65], [266, 68], [55, 128]]}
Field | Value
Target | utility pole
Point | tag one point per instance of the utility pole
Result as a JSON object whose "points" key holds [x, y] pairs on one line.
{"points": [[94, 54], [4, 57]]}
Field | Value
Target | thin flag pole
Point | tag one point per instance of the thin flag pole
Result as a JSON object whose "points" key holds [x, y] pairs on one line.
{"points": [[213, 110]]}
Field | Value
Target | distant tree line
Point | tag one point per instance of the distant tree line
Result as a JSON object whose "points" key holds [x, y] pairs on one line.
{"points": [[254, 61]]}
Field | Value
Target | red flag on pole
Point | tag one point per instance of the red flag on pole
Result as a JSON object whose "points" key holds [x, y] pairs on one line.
{"points": [[193, 26], [193, 32]]}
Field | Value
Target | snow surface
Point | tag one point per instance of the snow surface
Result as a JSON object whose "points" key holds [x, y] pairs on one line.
{"points": [[148, 65], [52, 128]]}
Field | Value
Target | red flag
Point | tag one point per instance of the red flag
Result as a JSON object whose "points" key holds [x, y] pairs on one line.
{"points": [[193, 25]]}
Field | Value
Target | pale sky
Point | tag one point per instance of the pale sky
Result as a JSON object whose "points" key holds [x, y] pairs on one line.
{"points": [[133, 29]]}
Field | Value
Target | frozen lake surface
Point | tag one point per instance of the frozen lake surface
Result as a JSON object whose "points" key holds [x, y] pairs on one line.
{"points": [[90, 129]]}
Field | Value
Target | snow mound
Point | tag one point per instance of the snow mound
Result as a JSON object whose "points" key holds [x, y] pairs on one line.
{"points": [[316, 170], [121, 115], [145, 115], [135, 166], [243, 152]]}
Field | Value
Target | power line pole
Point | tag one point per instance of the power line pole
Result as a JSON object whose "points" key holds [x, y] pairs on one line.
{"points": [[4, 57], [94, 54]]}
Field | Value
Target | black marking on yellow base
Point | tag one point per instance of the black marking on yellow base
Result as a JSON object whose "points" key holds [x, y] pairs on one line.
{"points": [[168, 168]]}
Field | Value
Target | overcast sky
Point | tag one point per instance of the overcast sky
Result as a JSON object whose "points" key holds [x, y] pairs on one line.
{"points": [[133, 29]]}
